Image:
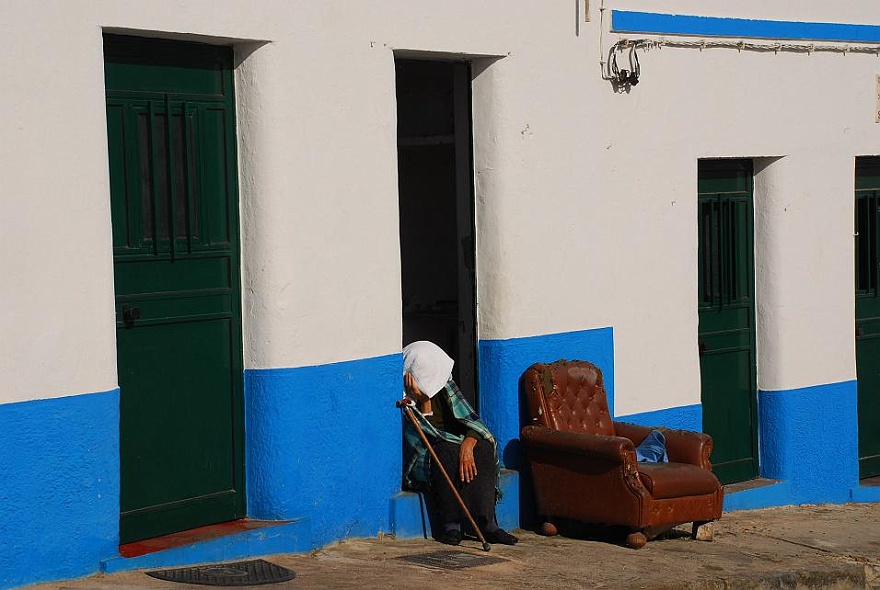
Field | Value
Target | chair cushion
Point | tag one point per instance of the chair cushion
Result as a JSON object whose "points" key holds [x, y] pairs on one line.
{"points": [[674, 480]]}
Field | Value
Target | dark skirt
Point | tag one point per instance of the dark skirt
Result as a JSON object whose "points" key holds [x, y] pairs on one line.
{"points": [[478, 494]]}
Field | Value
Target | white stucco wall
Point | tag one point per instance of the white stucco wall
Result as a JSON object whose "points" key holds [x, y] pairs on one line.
{"points": [[586, 198], [57, 334]]}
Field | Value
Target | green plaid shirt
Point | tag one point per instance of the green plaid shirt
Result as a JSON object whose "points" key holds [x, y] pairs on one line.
{"points": [[416, 474]]}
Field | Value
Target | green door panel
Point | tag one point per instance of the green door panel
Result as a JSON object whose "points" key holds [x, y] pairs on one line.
{"points": [[178, 405], [174, 208], [868, 313], [728, 414], [867, 355], [154, 67], [727, 316], [207, 270]]}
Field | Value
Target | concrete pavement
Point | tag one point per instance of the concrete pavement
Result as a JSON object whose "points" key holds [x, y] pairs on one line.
{"points": [[821, 546]]}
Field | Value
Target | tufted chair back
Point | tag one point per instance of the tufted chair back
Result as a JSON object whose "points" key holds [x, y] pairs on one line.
{"points": [[569, 396]]}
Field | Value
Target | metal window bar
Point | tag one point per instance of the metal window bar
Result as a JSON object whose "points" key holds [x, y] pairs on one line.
{"points": [[875, 237], [133, 239], [726, 267], [706, 244], [867, 254], [169, 168], [717, 254], [873, 202], [187, 155], [713, 252], [154, 184], [139, 151], [733, 217]]}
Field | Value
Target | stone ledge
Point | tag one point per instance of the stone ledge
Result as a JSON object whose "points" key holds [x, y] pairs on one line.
{"points": [[408, 515]]}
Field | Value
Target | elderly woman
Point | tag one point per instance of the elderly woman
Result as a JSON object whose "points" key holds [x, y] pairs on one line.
{"points": [[461, 441]]}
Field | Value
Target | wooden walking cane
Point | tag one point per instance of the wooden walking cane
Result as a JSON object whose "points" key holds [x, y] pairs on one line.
{"points": [[408, 411]]}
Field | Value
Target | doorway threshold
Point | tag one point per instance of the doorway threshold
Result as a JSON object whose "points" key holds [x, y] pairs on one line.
{"points": [[226, 541], [191, 536], [750, 484]]}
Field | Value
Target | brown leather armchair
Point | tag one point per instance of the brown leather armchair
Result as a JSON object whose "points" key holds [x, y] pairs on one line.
{"points": [[584, 464]]}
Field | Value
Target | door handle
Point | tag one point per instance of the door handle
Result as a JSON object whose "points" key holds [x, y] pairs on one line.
{"points": [[702, 348], [130, 314], [859, 331]]}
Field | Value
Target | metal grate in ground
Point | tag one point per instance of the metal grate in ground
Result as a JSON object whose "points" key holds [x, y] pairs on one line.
{"points": [[450, 560], [241, 573]]}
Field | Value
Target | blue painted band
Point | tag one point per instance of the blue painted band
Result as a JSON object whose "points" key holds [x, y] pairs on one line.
{"points": [[865, 494], [776, 494], [60, 490], [623, 21], [682, 417], [324, 443], [809, 437], [502, 363]]}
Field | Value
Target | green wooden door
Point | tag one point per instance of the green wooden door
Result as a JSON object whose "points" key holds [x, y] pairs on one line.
{"points": [[868, 312], [170, 124], [727, 316]]}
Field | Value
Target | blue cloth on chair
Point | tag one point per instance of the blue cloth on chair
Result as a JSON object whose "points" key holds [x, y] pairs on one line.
{"points": [[652, 449]]}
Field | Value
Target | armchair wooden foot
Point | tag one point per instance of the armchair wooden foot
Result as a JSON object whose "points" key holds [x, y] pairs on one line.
{"points": [[548, 529], [636, 540]]}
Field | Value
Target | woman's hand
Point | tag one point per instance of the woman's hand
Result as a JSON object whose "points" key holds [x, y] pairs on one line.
{"points": [[467, 468], [411, 386]]}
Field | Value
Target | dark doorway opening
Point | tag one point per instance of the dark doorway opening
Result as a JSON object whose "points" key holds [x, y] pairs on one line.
{"points": [[435, 178]]}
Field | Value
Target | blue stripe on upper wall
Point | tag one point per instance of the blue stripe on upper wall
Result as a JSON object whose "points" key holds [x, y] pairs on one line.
{"points": [[623, 21], [60, 487]]}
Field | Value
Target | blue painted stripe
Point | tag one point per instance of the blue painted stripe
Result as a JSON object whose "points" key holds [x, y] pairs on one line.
{"points": [[809, 438], [60, 487], [324, 443], [502, 363], [865, 494], [777, 494], [623, 21], [681, 417]]}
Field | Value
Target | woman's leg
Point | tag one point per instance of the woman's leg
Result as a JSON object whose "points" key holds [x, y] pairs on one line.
{"points": [[479, 494], [450, 511]]}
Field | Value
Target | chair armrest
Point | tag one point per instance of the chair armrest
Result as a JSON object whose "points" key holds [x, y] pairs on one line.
{"points": [[634, 432], [685, 446], [682, 446], [611, 448]]}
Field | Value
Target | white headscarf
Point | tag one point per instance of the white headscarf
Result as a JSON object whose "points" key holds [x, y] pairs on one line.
{"points": [[431, 367]]}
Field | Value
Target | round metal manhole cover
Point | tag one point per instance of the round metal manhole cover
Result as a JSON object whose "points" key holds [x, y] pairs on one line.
{"points": [[242, 573]]}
